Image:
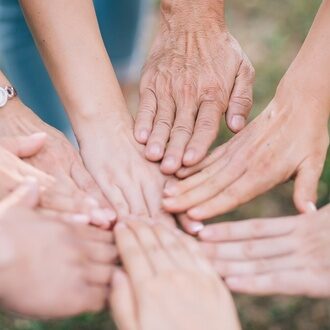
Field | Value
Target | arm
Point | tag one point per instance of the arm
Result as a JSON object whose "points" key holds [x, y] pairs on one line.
{"points": [[196, 73], [288, 140], [69, 40]]}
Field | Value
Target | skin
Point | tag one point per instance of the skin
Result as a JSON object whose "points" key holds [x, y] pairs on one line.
{"points": [[59, 160], [39, 269], [288, 256], [289, 139], [95, 104], [168, 268], [196, 73]]}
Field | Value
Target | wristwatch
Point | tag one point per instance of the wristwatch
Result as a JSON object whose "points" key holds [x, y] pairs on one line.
{"points": [[6, 93]]}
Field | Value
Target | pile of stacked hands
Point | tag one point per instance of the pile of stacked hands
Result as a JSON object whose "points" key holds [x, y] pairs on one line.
{"points": [[120, 222]]}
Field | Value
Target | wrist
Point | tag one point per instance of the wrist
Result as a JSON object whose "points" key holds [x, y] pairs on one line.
{"points": [[192, 15]]}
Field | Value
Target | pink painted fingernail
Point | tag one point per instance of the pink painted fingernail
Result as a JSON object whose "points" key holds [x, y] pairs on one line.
{"points": [[237, 123], [311, 207], [189, 156], [196, 227]]}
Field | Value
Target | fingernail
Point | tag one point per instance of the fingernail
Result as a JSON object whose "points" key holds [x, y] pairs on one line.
{"points": [[170, 189], [144, 135], [196, 227], [155, 150], [92, 202], [311, 207], [80, 218], [237, 123], [189, 156], [38, 136], [169, 162]]}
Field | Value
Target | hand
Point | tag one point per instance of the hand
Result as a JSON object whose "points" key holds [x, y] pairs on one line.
{"points": [[168, 269], [288, 140], [50, 269], [59, 159], [191, 79], [132, 184], [288, 256]]}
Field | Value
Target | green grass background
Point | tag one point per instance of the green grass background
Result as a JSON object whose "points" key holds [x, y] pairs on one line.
{"points": [[271, 32]]}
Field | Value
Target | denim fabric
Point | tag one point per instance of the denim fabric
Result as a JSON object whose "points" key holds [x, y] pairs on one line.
{"points": [[20, 61]]}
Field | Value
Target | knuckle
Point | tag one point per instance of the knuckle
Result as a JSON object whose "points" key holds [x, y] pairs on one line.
{"points": [[241, 101], [182, 130], [248, 249], [163, 123]]}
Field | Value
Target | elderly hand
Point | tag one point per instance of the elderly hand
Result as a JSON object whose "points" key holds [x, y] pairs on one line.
{"points": [[195, 74], [50, 269], [60, 160], [170, 269], [288, 256], [288, 140]]}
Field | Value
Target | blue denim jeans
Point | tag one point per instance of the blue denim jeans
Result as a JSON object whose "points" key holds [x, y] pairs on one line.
{"points": [[120, 23]]}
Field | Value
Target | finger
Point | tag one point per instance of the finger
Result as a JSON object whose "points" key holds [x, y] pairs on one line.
{"points": [[197, 254], [305, 188], [205, 191], [145, 116], [94, 234], [181, 133], [185, 172], [174, 248], [96, 298], [122, 302], [151, 246], [26, 195], [135, 198], [135, 261], [251, 249], [290, 282], [240, 268], [239, 192], [101, 253], [190, 226], [205, 132], [152, 198], [114, 194], [24, 146], [248, 229], [241, 99], [161, 129], [99, 274]]}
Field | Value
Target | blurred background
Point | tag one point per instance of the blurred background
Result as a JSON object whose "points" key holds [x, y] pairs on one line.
{"points": [[271, 33]]}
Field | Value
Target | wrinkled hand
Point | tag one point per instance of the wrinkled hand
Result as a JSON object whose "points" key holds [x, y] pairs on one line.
{"points": [[132, 184], [189, 82], [288, 256], [169, 269], [288, 140], [42, 261], [59, 159]]}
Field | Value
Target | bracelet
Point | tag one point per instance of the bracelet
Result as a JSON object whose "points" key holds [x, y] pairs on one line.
{"points": [[6, 94]]}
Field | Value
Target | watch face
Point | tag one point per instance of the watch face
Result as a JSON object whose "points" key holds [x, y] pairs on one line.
{"points": [[3, 97]]}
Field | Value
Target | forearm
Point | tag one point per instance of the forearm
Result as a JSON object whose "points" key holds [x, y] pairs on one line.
{"points": [[310, 71], [187, 15], [69, 39]]}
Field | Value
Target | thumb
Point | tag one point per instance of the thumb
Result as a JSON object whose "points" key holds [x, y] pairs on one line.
{"points": [[24, 146], [122, 302], [305, 189], [26, 195]]}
